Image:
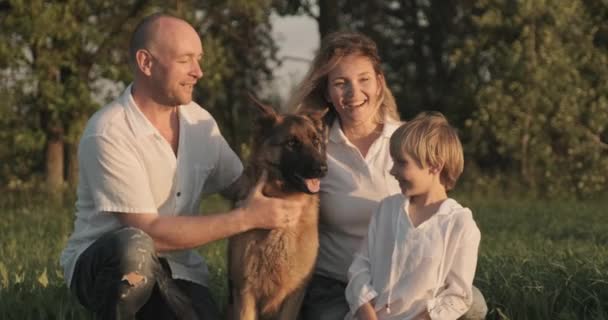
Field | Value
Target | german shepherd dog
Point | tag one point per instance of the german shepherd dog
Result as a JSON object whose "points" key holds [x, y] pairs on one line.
{"points": [[269, 269]]}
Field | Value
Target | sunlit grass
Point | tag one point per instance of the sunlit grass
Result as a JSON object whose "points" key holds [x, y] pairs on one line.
{"points": [[538, 259]]}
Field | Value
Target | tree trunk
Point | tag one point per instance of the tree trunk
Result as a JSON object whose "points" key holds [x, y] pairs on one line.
{"points": [[328, 19], [55, 160], [72, 165]]}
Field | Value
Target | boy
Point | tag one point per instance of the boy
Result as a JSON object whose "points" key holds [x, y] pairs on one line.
{"points": [[418, 260]]}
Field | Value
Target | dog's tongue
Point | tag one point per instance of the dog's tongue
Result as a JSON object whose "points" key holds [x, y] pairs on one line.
{"points": [[313, 185]]}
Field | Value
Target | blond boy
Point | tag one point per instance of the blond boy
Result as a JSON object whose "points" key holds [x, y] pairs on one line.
{"points": [[419, 258]]}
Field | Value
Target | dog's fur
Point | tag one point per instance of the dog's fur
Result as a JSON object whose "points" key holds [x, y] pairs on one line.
{"points": [[269, 269]]}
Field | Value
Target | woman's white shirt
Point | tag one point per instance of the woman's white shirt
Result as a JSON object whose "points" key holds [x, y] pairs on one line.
{"points": [[350, 192]]}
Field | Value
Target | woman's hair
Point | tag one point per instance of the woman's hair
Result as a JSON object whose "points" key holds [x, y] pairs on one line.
{"points": [[431, 142], [311, 93]]}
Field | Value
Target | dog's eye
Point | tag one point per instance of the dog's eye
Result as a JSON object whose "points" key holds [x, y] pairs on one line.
{"points": [[293, 143]]}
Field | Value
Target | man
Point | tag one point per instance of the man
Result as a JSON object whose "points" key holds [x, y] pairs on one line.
{"points": [[144, 161]]}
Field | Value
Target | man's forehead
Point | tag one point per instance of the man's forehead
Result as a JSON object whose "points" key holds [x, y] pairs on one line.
{"points": [[176, 37]]}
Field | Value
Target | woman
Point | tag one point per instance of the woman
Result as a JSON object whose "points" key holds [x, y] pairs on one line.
{"points": [[347, 81]]}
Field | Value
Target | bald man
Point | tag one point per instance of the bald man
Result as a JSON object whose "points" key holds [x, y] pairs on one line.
{"points": [[144, 161]]}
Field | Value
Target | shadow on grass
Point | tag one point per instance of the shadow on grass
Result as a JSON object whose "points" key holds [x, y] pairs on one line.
{"points": [[25, 301]]}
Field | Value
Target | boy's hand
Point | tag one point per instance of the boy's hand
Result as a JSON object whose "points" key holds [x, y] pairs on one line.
{"points": [[271, 213], [366, 312], [425, 315]]}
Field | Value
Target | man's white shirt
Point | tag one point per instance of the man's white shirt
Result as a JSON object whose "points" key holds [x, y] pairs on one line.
{"points": [[126, 166]]}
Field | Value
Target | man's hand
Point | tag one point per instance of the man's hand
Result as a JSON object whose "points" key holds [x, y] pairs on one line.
{"points": [[270, 213]]}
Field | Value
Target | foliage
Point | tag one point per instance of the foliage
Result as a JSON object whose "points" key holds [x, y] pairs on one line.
{"points": [[60, 60], [239, 56], [526, 81], [53, 54], [542, 101]]}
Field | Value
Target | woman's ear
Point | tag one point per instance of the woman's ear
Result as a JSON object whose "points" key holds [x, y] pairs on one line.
{"points": [[381, 84], [326, 96]]}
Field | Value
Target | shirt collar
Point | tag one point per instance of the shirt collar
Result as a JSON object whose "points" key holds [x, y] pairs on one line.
{"points": [[140, 125], [337, 135], [447, 206]]}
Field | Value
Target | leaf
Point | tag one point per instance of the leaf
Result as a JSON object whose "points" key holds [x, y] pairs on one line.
{"points": [[43, 279], [3, 276], [19, 277]]}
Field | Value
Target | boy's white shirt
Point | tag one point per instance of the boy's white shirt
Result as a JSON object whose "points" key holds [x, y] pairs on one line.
{"points": [[408, 270]]}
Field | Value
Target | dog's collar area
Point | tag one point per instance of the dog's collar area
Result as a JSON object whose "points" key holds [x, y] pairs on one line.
{"points": [[273, 164]]}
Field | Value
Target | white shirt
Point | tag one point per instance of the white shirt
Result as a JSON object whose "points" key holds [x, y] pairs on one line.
{"points": [[126, 166], [409, 270], [350, 192]]}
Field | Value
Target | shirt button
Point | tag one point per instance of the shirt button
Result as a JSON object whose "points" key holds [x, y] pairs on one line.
{"points": [[179, 194]]}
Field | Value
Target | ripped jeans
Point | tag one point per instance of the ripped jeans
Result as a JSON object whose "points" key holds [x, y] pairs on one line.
{"points": [[120, 277]]}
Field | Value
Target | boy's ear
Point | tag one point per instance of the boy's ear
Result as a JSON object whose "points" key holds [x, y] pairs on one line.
{"points": [[436, 169]]}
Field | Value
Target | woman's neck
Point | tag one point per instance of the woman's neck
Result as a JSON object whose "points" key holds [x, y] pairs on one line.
{"points": [[362, 130], [363, 136]]}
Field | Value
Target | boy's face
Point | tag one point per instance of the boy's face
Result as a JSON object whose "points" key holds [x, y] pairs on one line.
{"points": [[413, 179]]}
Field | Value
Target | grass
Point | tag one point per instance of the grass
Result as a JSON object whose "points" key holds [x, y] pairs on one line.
{"points": [[538, 259], [543, 260]]}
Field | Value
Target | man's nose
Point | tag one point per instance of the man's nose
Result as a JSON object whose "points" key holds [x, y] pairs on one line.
{"points": [[197, 70]]}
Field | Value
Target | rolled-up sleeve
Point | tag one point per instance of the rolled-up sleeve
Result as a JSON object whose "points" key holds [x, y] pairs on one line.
{"points": [[227, 167], [115, 176], [456, 297]]}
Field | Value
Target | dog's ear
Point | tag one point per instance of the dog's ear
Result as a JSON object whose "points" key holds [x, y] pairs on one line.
{"points": [[318, 118], [318, 115], [266, 116]]}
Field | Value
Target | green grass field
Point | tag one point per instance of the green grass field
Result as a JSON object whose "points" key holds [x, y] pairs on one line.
{"points": [[538, 260]]}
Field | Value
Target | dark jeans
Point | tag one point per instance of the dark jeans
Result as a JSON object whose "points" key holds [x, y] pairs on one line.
{"points": [[325, 300], [120, 277]]}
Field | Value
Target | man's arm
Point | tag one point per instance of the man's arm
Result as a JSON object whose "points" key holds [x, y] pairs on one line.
{"points": [[185, 232]]}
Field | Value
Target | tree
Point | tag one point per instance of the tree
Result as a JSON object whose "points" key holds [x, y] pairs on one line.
{"points": [[542, 106], [58, 57], [327, 13], [52, 55], [239, 55]]}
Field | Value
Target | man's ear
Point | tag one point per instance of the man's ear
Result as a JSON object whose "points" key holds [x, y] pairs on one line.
{"points": [[143, 59]]}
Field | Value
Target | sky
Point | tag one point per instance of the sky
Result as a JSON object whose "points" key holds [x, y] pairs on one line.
{"points": [[298, 39]]}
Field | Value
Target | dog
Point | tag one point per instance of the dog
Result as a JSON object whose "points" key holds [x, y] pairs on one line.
{"points": [[269, 269]]}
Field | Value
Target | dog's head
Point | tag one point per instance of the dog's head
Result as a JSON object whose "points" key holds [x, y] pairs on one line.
{"points": [[291, 148]]}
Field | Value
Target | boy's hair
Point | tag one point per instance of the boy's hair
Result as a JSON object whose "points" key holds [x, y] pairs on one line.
{"points": [[432, 142]]}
